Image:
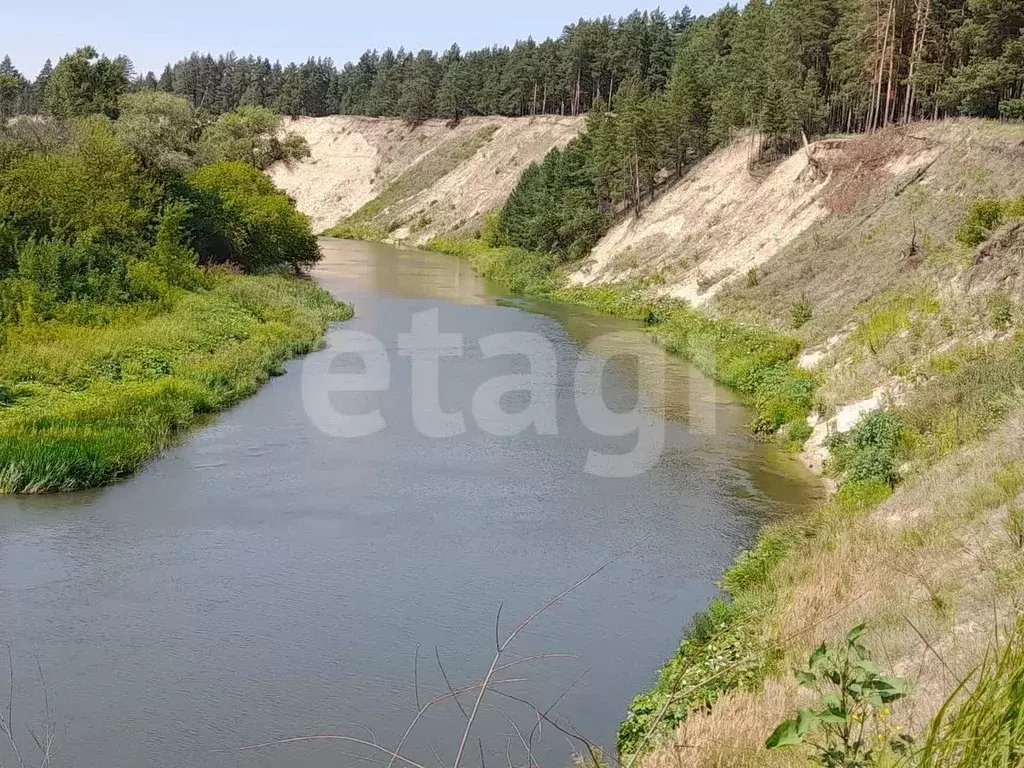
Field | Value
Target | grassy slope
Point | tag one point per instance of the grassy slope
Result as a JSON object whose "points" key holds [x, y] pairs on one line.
{"points": [[88, 398], [897, 305]]}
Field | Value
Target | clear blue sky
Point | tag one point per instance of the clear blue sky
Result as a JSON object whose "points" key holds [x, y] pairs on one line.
{"points": [[153, 33]]}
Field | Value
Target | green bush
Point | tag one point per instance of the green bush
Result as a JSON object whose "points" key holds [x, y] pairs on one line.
{"points": [[982, 218], [870, 451], [261, 227], [800, 313], [251, 135]]}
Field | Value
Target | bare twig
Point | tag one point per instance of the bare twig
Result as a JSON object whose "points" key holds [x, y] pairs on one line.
{"points": [[515, 633], [447, 682]]}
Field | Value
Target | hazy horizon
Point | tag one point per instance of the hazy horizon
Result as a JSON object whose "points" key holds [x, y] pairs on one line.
{"points": [[154, 36]]}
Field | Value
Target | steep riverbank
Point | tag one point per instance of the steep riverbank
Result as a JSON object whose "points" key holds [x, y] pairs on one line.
{"points": [[90, 397], [380, 178], [901, 295]]}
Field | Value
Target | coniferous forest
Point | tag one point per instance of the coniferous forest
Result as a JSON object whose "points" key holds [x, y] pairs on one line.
{"points": [[821, 65], [659, 90]]}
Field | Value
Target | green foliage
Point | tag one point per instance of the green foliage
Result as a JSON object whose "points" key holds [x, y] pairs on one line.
{"points": [[848, 727], [252, 135], [113, 338], [891, 314], [554, 207], [357, 231], [982, 218], [967, 395], [175, 262], [95, 401], [517, 270], [1014, 525], [90, 185], [800, 313], [262, 227], [752, 278], [85, 83], [981, 723], [160, 129], [870, 451]]}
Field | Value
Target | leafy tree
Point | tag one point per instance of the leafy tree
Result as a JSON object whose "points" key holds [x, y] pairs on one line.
{"points": [[85, 83], [13, 88], [261, 226], [252, 135], [453, 92], [160, 128]]}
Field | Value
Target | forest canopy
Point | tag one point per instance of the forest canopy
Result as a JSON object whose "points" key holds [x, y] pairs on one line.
{"points": [[825, 64]]}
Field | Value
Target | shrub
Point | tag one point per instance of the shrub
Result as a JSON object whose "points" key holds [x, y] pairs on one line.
{"points": [[848, 728], [869, 451], [800, 313], [982, 217], [261, 226], [250, 135]]}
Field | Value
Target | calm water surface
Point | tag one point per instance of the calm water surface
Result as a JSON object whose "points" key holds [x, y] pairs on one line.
{"points": [[264, 580]]}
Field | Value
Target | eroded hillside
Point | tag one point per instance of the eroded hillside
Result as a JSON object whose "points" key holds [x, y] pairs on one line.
{"points": [[413, 182]]}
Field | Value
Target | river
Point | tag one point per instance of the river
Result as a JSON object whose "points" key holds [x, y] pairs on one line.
{"points": [[267, 578]]}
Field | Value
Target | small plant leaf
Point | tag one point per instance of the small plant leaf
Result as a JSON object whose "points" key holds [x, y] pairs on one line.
{"points": [[806, 721], [807, 679], [831, 701], [869, 666], [818, 657], [786, 735], [856, 633]]}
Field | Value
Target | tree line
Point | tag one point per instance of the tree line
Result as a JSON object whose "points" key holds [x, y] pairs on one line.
{"points": [[660, 91], [822, 64]]}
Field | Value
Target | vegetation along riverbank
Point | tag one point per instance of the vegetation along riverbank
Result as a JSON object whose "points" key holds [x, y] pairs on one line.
{"points": [[148, 274], [818, 203]]}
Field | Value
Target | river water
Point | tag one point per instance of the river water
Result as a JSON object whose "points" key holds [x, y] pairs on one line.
{"points": [[269, 579]]}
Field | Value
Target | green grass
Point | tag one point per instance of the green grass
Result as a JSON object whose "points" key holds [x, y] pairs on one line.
{"points": [[89, 398], [981, 726], [891, 314], [985, 216], [357, 231], [516, 269], [970, 391]]}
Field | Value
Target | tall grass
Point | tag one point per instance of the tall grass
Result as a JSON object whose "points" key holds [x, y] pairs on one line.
{"points": [[90, 397], [516, 269], [982, 727]]}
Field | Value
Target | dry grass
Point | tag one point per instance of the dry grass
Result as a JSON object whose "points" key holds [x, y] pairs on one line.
{"points": [[899, 236], [934, 572]]}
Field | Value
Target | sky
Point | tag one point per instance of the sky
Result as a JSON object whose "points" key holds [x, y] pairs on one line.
{"points": [[152, 34]]}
